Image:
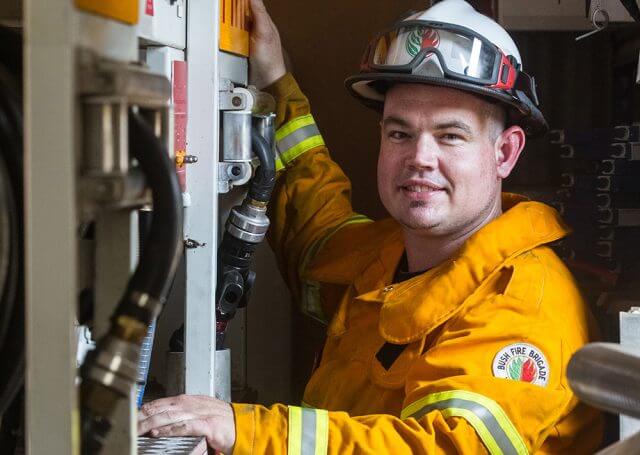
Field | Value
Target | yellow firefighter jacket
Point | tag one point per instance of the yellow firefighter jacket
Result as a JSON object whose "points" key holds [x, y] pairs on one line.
{"points": [[468, 357]]}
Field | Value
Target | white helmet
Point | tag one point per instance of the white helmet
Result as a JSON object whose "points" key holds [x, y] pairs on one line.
{"points": [[452, 45]]}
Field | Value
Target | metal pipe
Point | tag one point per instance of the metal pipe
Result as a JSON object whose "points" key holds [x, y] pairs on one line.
{"points": [[629, 446], [606, 376], [236, 136]]}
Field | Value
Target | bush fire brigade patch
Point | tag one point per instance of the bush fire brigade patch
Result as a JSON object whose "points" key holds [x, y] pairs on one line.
{"points": [[522, 362]]}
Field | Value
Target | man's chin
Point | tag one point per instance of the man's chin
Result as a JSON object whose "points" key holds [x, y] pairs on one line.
{"points": [[423, 225], [423, 217]]}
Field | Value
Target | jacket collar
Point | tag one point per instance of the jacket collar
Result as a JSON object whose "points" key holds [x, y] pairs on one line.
{"points": [[412, 309]]}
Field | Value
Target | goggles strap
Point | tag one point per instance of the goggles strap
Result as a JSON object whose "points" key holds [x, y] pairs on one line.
{"points": [[527, 85]]}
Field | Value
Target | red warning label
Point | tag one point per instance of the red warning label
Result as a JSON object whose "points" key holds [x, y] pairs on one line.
{"points": [[148, 9]]}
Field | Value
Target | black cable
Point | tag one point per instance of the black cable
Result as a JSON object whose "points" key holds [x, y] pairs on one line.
{"points": [[145, 294], [12, 338], [263, 182], [163, 243], [11, 293]]}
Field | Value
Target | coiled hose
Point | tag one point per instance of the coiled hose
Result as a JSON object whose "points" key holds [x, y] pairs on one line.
{"points": [[12, 344], [607, 377], [110, 371]]}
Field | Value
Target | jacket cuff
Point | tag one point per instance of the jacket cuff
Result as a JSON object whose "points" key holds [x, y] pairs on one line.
{"points": [[283, 88], [245, 428], [259, 428]]}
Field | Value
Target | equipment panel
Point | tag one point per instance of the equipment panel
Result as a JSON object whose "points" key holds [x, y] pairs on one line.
{"points": [[163, 23], [234, 26], [121, 10]]}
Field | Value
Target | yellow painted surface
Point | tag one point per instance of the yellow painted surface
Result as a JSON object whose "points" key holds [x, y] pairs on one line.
{"points": [[121, 10], [234, 26]]}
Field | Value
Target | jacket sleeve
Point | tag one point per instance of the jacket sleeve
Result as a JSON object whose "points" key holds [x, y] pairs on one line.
{"points": [[312, 197], [454, 402]]}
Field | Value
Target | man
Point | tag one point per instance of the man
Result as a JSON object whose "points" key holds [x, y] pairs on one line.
{"points": [[451, 324]]}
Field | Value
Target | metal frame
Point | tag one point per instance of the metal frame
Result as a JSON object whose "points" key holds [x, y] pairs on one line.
{"points": [[54, 31], [630, 338], [50, 213], [202, 181]]}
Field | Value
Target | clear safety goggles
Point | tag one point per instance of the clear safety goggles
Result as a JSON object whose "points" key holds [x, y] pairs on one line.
{"points": [[461, 54]]}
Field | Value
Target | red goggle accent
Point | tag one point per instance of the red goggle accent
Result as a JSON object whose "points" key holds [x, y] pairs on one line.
{"points": [[507, 74]]}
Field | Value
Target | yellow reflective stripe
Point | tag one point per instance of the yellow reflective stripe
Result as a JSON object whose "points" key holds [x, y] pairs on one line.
{"points": [[293, 125], [485, 415], [487, 439], [297, 150], [295, 430], [322, 432], [311, 305], [308, 431], [295, 138]]}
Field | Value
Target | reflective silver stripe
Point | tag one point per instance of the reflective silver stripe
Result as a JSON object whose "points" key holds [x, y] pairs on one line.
{"points": [[485, 415], [296, 137], [308, 446], [308, 431]]}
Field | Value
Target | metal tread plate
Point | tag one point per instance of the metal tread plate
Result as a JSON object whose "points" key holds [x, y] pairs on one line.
{"points": [[185, 445]]}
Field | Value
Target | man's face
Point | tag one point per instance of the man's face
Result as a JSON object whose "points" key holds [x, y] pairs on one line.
{"points": [[438, 162]]}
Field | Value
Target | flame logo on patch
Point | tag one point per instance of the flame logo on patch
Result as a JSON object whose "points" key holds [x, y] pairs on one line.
{"points": [[522, 362], [523, 370]]}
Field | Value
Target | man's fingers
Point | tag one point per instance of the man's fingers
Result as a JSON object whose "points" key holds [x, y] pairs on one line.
{"points": [[156, 407], [162, 405], [190, 402], [262, 24], [257, 7], [193, 427], [163, 419]]}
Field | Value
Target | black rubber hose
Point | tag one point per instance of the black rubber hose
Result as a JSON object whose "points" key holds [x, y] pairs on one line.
{"points": [[12, 343], [606, 377], [163, 244], [11, 150], [263, 182], [153, 275]]}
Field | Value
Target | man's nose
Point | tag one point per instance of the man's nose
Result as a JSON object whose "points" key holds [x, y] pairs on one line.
{"points": [[424, 154]]}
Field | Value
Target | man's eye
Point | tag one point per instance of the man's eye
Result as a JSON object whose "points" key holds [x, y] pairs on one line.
{"points": [[398, 135], [450, 137]]}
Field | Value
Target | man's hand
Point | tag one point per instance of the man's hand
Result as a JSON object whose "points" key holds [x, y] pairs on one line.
{"points": [[266, 60], [186, 415]]}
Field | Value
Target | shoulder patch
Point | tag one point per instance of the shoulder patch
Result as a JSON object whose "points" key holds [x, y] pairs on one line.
{"points": [[522, 362]]}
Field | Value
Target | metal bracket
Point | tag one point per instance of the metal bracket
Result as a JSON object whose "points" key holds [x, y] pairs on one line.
{"points": [[232, 98], [231, 174], [107, 90], [237, 99]]}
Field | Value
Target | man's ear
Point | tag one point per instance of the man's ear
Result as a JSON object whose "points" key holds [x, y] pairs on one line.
{"points": [[508, 147]]}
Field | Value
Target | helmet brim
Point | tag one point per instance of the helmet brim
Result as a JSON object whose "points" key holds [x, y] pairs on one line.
{"points": [[523, 111]]}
